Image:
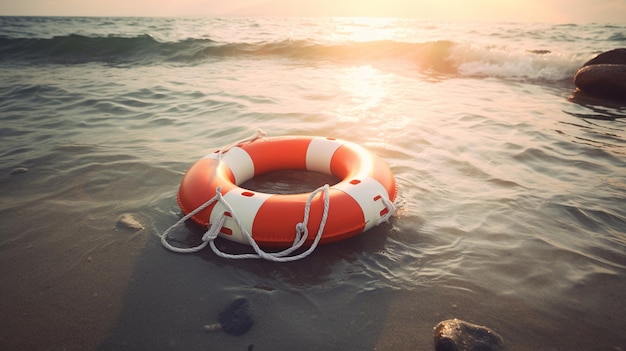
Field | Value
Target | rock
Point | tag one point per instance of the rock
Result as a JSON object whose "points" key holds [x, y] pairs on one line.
{"points": [[236, 319], [603, 80], [603, 76], [458, 335], [213, 327], [19, 170], [612, 57], [128, 221]]}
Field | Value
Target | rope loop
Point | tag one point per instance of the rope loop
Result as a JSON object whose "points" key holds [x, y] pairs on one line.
{"points": [[208, 238], [258, 134], [181, 221], [299, 240]]}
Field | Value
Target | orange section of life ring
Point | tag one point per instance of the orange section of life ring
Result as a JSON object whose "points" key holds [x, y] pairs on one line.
{"points": [[355, 203]]}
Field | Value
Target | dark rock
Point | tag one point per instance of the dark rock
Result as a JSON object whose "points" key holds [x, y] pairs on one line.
{"points": [[612, 57], [604, 76], [458, 335], [604, 80], [236, 319]]}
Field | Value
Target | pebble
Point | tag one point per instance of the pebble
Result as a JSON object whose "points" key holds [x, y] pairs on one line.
{"points": [[213, 327], [19, 170], [458, 335], [128, 221], [236, 319]]}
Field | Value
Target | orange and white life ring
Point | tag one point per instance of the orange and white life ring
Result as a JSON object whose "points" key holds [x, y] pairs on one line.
{"points": [[357, 203]]}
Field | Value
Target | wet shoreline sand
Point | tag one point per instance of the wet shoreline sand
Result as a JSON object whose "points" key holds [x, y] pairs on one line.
{"points": [[117, 288]]}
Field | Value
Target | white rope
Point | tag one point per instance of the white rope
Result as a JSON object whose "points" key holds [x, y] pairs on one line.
{"points": [[167, 232], [302, 233], [209, 236], [257, 135]]}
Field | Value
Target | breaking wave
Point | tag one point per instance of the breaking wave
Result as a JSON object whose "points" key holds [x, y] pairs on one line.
{"points": [[441, 56]]}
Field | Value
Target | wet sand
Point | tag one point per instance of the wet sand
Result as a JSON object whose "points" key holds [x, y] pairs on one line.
{"points": [[56, 294], [74, 280], [66, 263]]}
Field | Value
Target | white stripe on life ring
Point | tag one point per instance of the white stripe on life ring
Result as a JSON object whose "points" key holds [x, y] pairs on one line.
{"points": [[366, 193], [246, 204], [240, 164], [319, 154]]}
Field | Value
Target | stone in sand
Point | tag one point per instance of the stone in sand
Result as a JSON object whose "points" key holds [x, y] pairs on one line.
{"points": [[236, 319], [128, 221], [458, 335]]}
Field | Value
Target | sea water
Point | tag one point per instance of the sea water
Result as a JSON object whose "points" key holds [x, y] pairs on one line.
{"points": [[511, 206]]}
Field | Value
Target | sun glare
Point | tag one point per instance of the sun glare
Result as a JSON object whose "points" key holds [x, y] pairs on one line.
{"points": [[365, 85]]}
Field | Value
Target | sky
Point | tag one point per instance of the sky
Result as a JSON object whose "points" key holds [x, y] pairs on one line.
{"points": [[552, 11]]}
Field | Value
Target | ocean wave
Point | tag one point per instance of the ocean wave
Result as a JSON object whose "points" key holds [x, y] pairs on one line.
{"points": [[619, 36], [502, 62], [76, 49], [440, 57]]}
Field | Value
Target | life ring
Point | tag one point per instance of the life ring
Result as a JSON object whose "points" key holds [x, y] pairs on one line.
{"points": [[356, 204]]}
